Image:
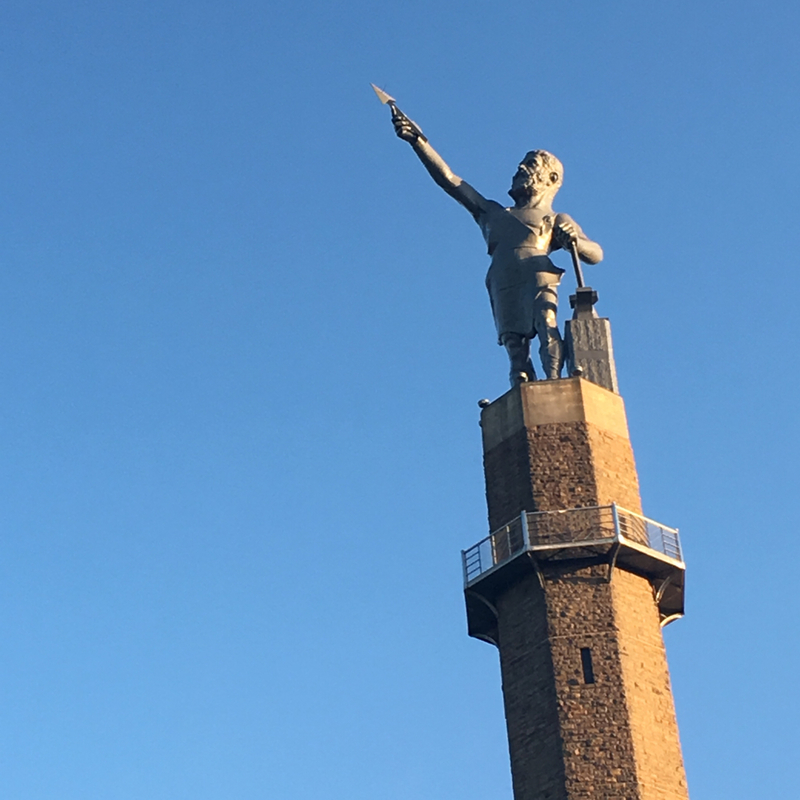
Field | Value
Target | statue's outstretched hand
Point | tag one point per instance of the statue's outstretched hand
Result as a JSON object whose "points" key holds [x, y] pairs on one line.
{"points": [[406, 130]]}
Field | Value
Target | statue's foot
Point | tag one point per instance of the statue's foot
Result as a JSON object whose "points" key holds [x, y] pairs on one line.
{"points": [[521, 377]]}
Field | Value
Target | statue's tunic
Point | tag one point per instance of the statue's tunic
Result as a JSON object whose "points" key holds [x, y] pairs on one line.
{"points": [[522, 280]]}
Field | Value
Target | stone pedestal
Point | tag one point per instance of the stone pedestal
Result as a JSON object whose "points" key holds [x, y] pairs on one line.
{"points": [[589, 352], [586, 687]]}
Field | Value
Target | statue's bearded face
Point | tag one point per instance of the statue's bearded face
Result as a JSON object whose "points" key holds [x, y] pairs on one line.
{"points": [[533, 180]]}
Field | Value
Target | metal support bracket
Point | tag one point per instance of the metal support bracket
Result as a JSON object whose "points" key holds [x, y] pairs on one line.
{"points": [[471, 593], [662, 588], [612, 558], [536, 568]]}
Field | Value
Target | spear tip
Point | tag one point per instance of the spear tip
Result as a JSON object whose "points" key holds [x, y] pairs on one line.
{"points": [[382, 96]]}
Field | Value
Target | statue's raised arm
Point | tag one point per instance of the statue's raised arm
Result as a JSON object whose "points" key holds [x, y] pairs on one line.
{"points": [[456, 187]]}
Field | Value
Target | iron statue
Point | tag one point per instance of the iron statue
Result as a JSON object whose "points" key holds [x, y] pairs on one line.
{"points": [[522, 280]]}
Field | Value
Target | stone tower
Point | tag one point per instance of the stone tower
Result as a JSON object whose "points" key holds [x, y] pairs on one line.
{"points": [[573, 586]]}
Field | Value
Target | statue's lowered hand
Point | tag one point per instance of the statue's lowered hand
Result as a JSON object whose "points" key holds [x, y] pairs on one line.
{"points": [[565, 231]]}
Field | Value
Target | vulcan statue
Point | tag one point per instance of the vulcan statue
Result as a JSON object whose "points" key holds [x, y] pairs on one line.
{"points": [[522, 280]]}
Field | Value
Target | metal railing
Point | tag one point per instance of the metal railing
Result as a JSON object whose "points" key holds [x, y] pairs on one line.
{"points": [[575, 527]]}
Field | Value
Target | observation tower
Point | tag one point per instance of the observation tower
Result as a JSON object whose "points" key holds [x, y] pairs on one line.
{"points": [[573, 586]]}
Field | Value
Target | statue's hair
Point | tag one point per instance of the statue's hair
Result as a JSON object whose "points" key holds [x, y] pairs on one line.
{"points": [[548, 161]]}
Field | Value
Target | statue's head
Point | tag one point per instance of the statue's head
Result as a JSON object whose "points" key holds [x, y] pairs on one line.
{"points": [[539, 174]]}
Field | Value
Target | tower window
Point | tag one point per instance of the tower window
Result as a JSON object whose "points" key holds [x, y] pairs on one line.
{"points": [[586, 663]]}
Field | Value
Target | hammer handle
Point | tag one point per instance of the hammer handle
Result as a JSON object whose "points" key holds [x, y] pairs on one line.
{"points": [[576, 262]]}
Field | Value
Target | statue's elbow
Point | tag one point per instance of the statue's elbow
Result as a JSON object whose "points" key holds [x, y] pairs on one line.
{"points": [[596, 254]]}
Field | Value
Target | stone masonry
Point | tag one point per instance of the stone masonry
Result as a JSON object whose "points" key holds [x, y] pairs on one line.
{"points": [[586, 688]]}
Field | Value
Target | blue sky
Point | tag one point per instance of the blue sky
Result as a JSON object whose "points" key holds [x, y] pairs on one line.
{"points": [[242, 340]]}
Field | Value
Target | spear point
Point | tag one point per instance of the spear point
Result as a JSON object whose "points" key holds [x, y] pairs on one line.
{"points": [[382, 96]]}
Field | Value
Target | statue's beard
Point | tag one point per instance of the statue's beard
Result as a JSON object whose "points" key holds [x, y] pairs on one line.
{"points": [[520, 192]]}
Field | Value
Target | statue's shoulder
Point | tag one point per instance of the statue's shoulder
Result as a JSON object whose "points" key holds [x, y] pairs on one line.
{"points": [[492, 208], [487, 213]]}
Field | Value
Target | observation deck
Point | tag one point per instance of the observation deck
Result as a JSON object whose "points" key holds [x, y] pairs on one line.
{"points": [[595, 534]]}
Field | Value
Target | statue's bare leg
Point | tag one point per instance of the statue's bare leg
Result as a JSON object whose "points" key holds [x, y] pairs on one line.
{"points": [[551, 346], [518, 348]]}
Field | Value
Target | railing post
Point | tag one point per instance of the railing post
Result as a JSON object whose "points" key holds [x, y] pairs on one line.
{"points": [[464, 565], [523, 518], [615, 516]]}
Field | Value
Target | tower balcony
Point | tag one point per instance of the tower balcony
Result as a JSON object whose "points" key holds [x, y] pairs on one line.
{"points": [[606, 534]]}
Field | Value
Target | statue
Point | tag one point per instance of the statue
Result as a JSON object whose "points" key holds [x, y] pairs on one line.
{"points": [[522, 280]]}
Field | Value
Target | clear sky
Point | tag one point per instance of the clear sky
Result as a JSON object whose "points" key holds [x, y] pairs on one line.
{"points": [[242, 340]]}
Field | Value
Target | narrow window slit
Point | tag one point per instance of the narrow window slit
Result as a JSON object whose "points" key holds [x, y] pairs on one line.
{"points": [[586, 662]]}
